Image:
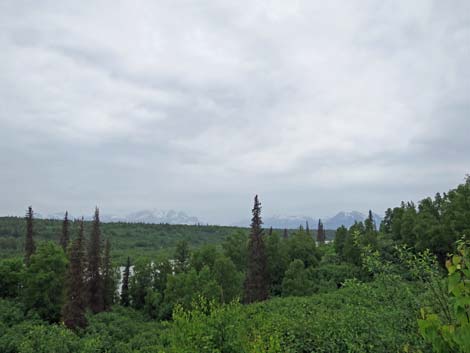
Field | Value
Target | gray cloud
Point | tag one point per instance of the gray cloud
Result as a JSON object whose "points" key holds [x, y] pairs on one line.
{"points": [[198, 105]]}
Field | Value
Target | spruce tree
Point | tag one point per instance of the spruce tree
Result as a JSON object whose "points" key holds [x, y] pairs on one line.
{"points": [[370, 234], [286, 234], [307, 229], [369, 223], [257, 277], [64, 237], [29, 246], [108, 277], [95, 280], [125, 284], [73, 312], [321, 236], [270, 230]]}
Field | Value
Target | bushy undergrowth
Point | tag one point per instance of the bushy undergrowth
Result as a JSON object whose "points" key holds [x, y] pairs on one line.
{"points": [[379, 316]]}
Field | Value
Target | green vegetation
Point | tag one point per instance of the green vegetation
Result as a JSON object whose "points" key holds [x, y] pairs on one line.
{"points": [[400, 287], [128, 239]]}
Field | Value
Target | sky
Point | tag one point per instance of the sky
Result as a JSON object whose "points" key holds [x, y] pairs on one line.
{"points": [[317, 106]]}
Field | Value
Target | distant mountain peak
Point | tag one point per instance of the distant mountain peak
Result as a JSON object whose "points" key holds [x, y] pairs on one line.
{"points": [[142, 216], [161, 216], [346, 218]]}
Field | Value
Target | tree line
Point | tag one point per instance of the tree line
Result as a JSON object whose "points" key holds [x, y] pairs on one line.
{"points": [[247, 268]]}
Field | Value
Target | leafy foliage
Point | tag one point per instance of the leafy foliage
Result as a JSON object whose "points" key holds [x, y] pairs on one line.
{"points": [[43, 282], [452, 334]]}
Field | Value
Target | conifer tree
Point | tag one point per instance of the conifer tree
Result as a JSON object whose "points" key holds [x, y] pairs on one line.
{"points": [[307, 229], [321, 236], [73, 312], [370, 234], [64, 237], [125, 284], [256, 282], [108, 277], [369, 223], [95, 280], [29, 246], [286, 234], [270, 230]]}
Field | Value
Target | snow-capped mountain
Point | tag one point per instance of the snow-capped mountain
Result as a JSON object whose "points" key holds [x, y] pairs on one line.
{"points": [[348, 218], [144, 216], [161, 216], [292, 222]]}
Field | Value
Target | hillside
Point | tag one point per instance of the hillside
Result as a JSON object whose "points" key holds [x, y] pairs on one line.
{"points": [[128, 239], [132, 238]]}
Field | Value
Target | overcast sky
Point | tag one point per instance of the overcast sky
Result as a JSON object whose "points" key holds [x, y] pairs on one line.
{"points": [[317, 106]]}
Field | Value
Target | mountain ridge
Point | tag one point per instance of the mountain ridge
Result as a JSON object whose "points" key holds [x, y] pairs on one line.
{"points": [[150, 216], [346, 218]]}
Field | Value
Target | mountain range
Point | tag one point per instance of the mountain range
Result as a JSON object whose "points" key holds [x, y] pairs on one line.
{"points": [[144, 216], [292, 222], [179, 217]]}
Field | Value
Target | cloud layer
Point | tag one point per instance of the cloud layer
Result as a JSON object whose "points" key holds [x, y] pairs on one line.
{"points": [[196, 106]]}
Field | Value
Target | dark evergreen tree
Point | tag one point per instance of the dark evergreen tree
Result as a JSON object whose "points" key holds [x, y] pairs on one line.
{"points": [[369, 223], [64, 237], [94, 277], [29, 246], [307, 229], [370, 233], [270, 231], [125, 284], [286, 234], [386, 224], [73, 312], [257, 277], [108, 277], [321, 235]]}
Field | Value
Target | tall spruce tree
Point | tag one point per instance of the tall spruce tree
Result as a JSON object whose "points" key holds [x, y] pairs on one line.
{"points": [[369, 223], [125, 284], [29, 246], [370, 233], [95, 279], [321, 236], [286, 234], [73, 312], [257, 277], [307, 229], [108, 277], [64, 236]]}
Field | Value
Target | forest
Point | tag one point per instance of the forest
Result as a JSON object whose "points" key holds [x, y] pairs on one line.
{"points": [[399, 286]]}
